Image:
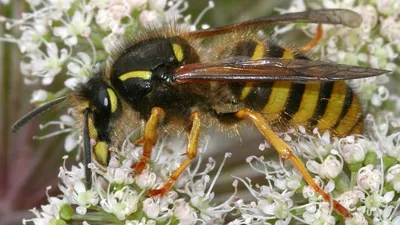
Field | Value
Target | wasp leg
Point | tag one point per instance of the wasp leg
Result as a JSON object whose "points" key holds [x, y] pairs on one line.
{"points": [[314, 41], [150, 137], [191, 153], [286, 152], [87, 155]]}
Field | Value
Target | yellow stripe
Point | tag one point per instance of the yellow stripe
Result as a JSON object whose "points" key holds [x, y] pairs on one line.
{"points": [[350, 119], [92, 129], [246, 90], [277, 99], [142, 74], [178, 52], [258, 51], [334, 107], [287, 54], [101, 152], [308, 104], [113, 99]]}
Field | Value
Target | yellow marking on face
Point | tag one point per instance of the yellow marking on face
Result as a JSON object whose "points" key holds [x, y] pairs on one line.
{"points": [[92, 129], [277, 99], [101, 152], [246, 90], [258, 51], [113, 99], [350, 119], [334, 107], [287, 54], [85, 104], [178, 52], [142, 74]]}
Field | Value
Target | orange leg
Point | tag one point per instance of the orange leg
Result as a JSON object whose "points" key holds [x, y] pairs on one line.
{"points": [[286, 152], [150, 137], [314, 41], [191, 153]]}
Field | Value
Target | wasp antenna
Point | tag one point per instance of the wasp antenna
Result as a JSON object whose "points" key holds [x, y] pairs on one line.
{"points": [[32, 114], [87, 149]]}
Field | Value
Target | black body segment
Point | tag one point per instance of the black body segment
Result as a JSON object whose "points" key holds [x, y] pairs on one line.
{"points": [[294, 100], [323, 99], [275, 50], [348, 100], [157, 57]]}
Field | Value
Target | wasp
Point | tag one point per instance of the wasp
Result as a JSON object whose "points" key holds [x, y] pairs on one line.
{"points": [[174, 79]]}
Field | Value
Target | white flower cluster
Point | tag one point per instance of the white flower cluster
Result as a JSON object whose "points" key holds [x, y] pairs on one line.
{"points": [[56, 36], [69, 37], [376, 43], [362, 173], [119, 196]]}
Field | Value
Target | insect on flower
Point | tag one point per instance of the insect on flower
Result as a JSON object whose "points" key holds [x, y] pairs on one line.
{"points": [[228, 76]]}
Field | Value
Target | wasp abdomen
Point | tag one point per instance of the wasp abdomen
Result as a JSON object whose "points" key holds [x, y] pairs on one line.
{"points": [[324, 105]]}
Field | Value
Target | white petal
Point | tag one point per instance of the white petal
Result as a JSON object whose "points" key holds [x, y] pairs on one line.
{"points": [[77, 17], [47, 80], [85, 57], [71, 141], [313, 166], [79, 187], [71, 83], [74, 68], [267, 207], [61, 32], [39, 96], [388, 196], [158, 5], [81, 210], [387, 212], [151, 208], [71, 41], [67, 120], [52, 49]]}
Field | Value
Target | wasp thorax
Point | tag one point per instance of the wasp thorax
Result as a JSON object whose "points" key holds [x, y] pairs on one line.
{"points": [[146, 64]]}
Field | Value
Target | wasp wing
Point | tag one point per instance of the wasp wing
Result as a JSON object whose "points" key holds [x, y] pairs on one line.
{"points": [[322, 16], [300, 70]]}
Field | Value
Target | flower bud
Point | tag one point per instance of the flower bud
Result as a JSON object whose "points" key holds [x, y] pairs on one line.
{"points": [[356, 219], [66, 212], [354, 153], [369, 178], [393, 177], [330, 168]]}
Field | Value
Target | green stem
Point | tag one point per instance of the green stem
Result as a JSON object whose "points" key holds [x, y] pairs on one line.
{"points": [[353, 180], [104, 218]]}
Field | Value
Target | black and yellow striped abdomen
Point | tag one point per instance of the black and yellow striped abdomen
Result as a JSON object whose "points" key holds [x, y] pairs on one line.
{"points": [[329, 106], [324, 105]]}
